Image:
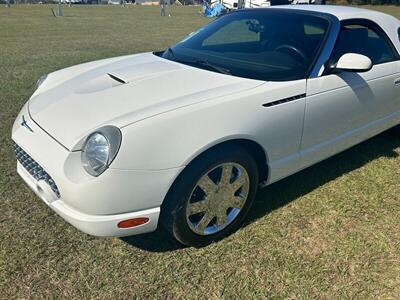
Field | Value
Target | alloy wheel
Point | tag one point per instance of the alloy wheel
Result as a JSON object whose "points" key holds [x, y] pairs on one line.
{"points": [[217, 199]]}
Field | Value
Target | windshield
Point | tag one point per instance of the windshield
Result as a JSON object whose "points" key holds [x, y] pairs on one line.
{"points": [[263, 44]]}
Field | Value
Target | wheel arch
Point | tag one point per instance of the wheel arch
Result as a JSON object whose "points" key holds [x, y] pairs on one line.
{"points": [[254, 148]]}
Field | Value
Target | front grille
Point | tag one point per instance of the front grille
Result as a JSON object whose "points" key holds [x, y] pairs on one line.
{"points": [[34, 168]]}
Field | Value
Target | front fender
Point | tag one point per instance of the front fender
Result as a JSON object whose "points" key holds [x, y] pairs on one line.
{"points": [[173, 139]]}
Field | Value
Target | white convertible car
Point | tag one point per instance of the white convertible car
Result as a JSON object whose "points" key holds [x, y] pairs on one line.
{"points": [[185, 137]]}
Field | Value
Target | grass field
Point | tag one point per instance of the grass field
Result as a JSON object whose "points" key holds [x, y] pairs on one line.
{"points": [[329, 232]]}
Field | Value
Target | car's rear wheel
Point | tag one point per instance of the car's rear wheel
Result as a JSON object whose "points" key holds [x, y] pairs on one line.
{"points": [[212, 196]]}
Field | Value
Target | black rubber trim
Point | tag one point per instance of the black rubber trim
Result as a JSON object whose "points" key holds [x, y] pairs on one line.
{"points": [[116, 78], [285, 100]]}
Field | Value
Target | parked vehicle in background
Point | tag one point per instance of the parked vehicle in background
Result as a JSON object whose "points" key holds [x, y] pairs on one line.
{"points": [[214, 8], [237, 4], [317, 2], [230, 4], [256, 3], [71, 1], [303, 2]]}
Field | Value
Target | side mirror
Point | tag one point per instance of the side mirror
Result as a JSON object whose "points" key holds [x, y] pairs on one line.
{"points": [[353, 62]]}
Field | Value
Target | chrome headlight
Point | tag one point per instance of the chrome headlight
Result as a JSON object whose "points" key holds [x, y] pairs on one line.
{"points": [[40, 81], [100, 149]]}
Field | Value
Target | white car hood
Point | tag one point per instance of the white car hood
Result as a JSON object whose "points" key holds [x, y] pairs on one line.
{"points": [[73, 102]]}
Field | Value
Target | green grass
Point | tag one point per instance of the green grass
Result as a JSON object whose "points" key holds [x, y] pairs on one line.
{"points": [[330, 232]]}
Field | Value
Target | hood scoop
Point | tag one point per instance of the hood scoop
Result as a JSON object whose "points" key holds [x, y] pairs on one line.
{"points": [[101, 83], [116, 78], [137, 72], [125, 75]]}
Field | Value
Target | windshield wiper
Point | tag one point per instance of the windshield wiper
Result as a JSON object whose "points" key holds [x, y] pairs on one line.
{"points": [[206, 63], [199, 62]]}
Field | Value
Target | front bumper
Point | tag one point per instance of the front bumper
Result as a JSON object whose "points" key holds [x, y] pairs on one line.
{"points": [[94, 205], [98, 225]]}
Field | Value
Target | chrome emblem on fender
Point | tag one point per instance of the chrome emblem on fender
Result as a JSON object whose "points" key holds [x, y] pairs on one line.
{"points": [[25, 124]]}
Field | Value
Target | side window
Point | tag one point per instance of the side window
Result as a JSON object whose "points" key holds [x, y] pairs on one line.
{"points": [[240, 31], [363, 40], [398, 33]]}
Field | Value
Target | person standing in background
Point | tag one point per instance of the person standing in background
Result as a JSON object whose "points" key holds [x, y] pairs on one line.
{"points": [[162, 8]]}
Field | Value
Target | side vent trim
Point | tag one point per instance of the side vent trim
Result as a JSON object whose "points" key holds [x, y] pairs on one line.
{"points": [[117, 78], [285, 100]]}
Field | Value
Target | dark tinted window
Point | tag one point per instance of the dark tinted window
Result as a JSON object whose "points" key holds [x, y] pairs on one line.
{"points": [[398, 33], [363, 40], [273, 45]]}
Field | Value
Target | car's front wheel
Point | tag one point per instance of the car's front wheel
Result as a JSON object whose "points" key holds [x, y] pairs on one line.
{"points": [[212, 196]]}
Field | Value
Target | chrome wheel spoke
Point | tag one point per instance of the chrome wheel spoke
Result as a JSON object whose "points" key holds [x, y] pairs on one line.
{"points": [[197, 207], [205, 220], [226, 174], [207, 185], [222, 218], [236, 202], [237, 184]]}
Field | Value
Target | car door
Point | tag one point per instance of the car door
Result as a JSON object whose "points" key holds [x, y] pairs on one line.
{"points": [[345, 108]]}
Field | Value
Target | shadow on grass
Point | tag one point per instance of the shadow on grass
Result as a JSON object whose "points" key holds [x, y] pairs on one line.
{"points": [[289, 189], [158, 241], [286, 190]]}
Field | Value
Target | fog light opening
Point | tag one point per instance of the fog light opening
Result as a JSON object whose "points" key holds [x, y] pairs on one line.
{"points": [[133, 222]]}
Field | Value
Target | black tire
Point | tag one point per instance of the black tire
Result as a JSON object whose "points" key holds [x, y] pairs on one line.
{"points": [[173, 210]]}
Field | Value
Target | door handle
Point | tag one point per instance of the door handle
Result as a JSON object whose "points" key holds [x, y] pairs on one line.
{"points": [[397, 82]]}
